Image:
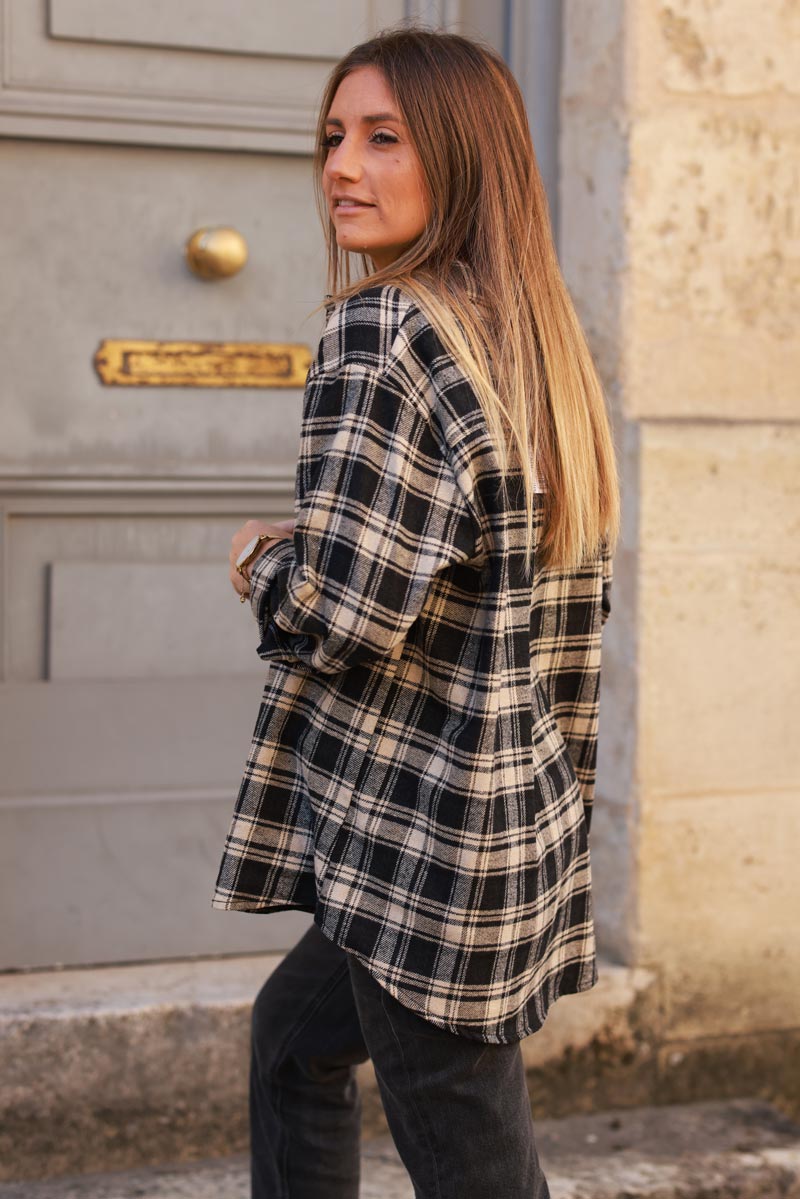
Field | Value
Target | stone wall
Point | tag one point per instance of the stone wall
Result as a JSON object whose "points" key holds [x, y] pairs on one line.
{"points": [[680, 240]]}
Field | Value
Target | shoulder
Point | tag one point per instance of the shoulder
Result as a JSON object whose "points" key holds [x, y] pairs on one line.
{"points": [[380, 329]]}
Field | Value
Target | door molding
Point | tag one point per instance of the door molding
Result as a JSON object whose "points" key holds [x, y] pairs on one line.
{"points": [[56, 87]]}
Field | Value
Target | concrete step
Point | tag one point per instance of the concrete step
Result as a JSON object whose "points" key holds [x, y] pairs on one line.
{"points": [[121, 1067], [737, 1150]]}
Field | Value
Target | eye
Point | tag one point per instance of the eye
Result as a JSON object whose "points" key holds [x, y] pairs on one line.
{"points": [[379, 138]]}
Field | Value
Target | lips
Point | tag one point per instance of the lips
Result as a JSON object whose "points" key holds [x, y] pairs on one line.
{"points": [[349, 204]]}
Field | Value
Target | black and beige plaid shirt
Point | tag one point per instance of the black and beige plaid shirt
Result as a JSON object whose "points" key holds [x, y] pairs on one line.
{"points": [[422, 768]]}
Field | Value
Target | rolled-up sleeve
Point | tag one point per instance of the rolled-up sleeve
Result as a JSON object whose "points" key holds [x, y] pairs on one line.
{"points": [[378, 515]]}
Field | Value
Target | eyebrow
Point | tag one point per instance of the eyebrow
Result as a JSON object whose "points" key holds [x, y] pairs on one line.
{"points": [[372, 119]]}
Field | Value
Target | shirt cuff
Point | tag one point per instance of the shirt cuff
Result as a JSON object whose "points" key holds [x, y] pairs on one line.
{"points": [[269, 581], [263, 574]]}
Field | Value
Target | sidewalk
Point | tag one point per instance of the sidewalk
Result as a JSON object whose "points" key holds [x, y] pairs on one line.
{"points": [[737, 1150]]}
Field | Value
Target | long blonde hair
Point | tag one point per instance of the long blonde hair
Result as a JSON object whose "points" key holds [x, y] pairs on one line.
{"points": [[486, 274]]}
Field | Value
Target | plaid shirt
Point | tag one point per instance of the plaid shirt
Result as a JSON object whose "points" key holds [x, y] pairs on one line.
{"points": [[422, 768]]}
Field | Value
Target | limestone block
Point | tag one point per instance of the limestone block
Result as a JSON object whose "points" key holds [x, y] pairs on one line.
{"points": [[714, 248], [718, 607], [719, 893], [719, 683], [679, 233], [724, 47], [720, 486], [719, 632]]}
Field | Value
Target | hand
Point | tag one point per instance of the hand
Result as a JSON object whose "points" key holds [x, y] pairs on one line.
{"points": [[280, 528]]}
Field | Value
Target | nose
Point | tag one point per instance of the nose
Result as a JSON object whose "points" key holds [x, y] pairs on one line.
{"points": [[344, 161]]}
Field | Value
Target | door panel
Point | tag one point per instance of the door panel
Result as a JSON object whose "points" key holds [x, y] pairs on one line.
{"points": [[130, 592], [115, 805], [145, 620], [94, 239], [310, 30], [129, 679]]}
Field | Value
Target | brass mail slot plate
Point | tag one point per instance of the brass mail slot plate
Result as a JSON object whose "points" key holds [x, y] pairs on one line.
{"points": [[121, 363]]}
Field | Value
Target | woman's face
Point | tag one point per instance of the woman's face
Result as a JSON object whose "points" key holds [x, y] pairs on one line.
{"points": [[372, 180]]}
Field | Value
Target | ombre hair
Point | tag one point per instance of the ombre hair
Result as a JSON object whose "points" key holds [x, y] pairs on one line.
{"points": [[485, 272]]}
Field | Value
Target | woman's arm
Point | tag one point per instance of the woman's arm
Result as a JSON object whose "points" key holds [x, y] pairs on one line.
{"points": [[379, 515], [280, 528]]}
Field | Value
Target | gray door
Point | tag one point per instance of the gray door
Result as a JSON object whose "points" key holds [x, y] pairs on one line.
{"points": [[130, 682]]}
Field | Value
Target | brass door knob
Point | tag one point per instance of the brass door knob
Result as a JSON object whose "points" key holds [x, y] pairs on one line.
{"points": [[216, 252]]}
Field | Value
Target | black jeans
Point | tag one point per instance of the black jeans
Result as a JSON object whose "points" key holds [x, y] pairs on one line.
{"points": [[457, 1109]]}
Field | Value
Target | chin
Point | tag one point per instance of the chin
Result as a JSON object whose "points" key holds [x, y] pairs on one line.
{"points": [[353, 247]]}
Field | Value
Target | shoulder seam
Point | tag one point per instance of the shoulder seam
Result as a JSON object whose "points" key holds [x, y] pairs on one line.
{"points": [[378, 369]]}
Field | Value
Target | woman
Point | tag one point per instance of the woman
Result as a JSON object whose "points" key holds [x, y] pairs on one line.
{"points": [[422, 770]]}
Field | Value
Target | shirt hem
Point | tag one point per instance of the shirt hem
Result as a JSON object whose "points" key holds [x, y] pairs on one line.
{"points": [[469, 1032], [534, 1014]]}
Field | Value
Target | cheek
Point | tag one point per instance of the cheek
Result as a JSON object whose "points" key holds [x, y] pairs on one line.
{"points": [[409, 203], [419, 209]]}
